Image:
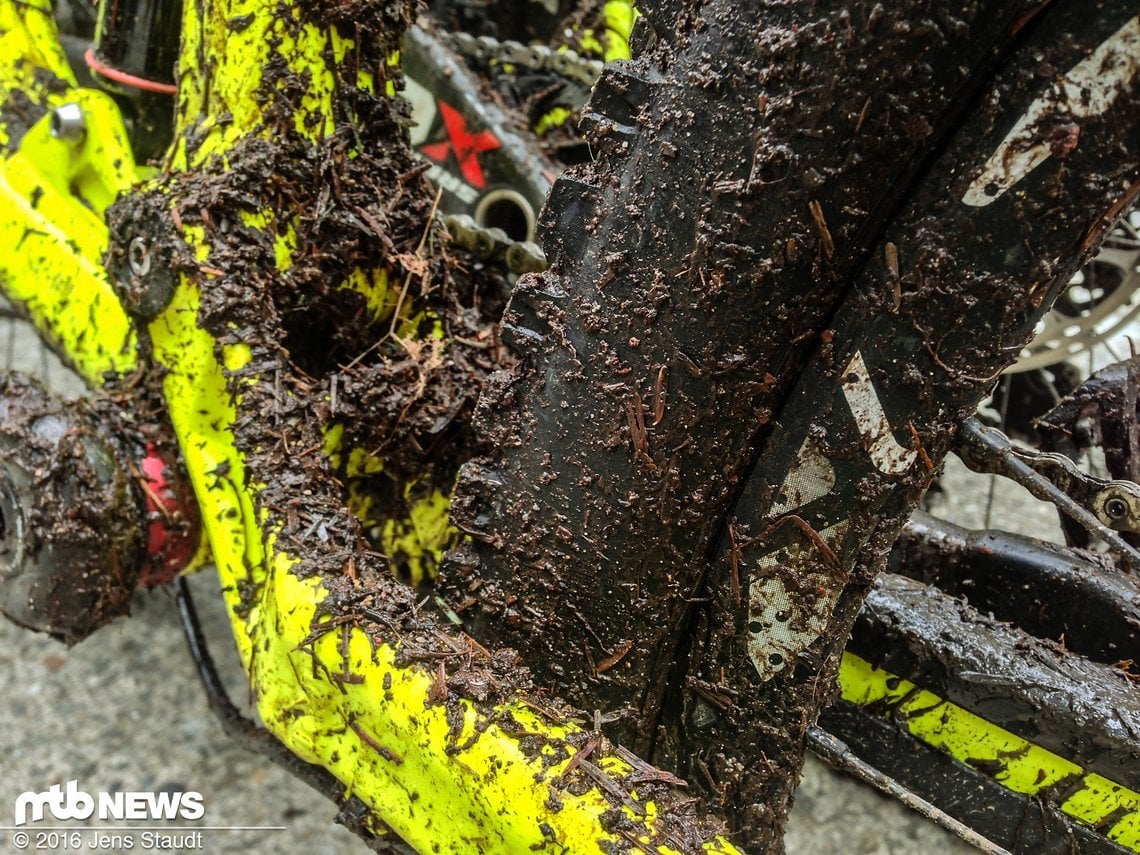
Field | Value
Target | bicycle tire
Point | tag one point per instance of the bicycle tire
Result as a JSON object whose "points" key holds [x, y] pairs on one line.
{"points": [[604, 335]]}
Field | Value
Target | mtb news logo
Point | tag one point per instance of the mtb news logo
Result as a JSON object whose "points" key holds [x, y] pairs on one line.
{"points": [[69, 802]]}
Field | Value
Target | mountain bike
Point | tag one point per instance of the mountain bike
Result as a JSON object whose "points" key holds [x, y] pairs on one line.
{"points": [[696, 437]]}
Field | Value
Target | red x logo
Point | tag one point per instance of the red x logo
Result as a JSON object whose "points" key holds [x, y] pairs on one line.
{"points": [[466, 146]]}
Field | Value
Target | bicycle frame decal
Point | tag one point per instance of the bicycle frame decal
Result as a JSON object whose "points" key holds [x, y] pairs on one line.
{"points": [[780, 626], [782, 622], [889, 456], [787, 617], [478, 157], [424, 114], [466, 146]]}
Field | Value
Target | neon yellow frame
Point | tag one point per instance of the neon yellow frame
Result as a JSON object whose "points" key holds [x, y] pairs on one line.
{"points": [[53, 197], [1016, 763], [487, 796]]}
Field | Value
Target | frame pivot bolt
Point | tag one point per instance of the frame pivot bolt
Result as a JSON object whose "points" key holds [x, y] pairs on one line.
{"points": [[68, 123], [138, 256]]}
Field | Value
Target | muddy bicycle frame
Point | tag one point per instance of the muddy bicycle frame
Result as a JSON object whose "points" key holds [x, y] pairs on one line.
{"points": [[479, 773], [336, 698]]}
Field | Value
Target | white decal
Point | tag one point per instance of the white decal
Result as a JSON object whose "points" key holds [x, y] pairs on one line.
{"points": [[1089, 89], [813, 477], [423, 110], [782, 623], [793, 589], [440, 177], [886, 453]]}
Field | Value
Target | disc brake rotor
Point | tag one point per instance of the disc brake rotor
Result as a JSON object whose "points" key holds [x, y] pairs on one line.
{"points": [[1103, 297]]}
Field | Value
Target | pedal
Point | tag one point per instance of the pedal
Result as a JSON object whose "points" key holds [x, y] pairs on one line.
{"points": [[82, 524]]}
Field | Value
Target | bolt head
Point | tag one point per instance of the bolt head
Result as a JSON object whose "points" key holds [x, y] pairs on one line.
{"points": [[68, 123], [138, 256]]}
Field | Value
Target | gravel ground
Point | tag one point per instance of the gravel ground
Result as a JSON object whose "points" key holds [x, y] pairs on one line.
{"points": [[124, 712]]}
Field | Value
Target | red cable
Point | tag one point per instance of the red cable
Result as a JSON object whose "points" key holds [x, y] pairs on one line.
{"points": [[124, 79]]}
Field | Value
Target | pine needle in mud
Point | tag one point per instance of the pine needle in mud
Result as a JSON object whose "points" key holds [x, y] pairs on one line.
{"points": [[416, 265]]}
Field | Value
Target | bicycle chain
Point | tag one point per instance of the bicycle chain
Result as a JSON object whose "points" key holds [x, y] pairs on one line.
{"points": [[486, 49], [1104, 507], [494, 245]]}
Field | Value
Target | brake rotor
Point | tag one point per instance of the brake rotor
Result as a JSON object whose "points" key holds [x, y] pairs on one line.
{"points": [[1102, 299]]}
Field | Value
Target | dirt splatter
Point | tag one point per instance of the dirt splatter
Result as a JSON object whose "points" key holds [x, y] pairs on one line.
{"points": [[321, 358], [601, 517], [71, 517]]}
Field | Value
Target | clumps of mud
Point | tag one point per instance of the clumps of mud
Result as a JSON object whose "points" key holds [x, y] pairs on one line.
{"points": [[396, 372], [72, 534]]}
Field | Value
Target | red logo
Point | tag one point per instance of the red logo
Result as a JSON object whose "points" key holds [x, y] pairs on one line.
{"points": [[466, 146]]}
